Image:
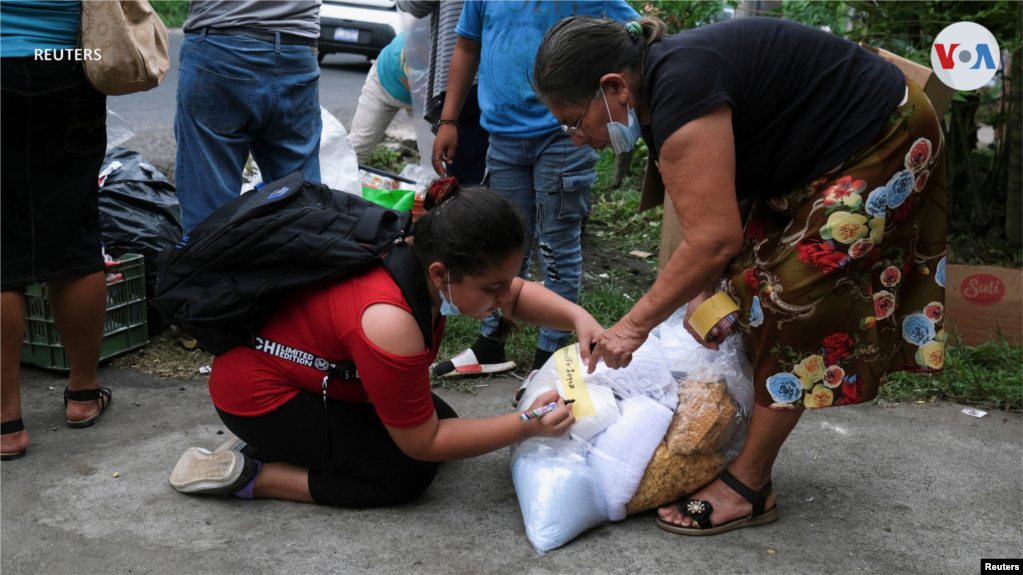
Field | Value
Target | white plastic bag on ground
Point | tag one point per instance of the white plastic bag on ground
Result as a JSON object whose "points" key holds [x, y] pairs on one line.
{"points": [[339, 168], [557, 491], [620, 455]]}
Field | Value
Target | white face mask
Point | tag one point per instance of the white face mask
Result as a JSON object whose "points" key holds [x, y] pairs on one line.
{"points": [[622, 139], [448, 307]]}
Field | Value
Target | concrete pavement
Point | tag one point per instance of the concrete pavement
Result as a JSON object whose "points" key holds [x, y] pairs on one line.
{"points": [[900, 489]]}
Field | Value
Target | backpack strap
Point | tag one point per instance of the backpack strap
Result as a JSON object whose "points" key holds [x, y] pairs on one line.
{"points": [[340, 370], [405, 270]]}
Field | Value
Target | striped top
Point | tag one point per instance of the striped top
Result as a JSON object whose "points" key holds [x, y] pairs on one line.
{"points": [[444, 18]]}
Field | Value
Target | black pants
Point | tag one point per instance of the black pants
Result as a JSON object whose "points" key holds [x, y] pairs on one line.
{"points": [[470, 163], [369, 470]]}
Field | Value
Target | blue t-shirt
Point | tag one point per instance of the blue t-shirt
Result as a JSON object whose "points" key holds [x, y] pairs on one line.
{"points": [[26, 26], [391, 69], [510, 34]]}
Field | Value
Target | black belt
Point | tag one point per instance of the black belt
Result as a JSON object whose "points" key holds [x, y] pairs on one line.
{"points": [[265, 36]]}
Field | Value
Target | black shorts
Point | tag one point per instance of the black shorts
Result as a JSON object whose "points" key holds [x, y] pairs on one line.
{"points": [[51, 150]]}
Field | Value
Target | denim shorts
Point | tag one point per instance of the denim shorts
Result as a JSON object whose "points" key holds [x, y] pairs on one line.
{"points": [[54, 140]]}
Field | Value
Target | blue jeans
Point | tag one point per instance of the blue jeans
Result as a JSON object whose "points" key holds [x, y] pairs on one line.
{"points": [[236, 95], [548, 178]]}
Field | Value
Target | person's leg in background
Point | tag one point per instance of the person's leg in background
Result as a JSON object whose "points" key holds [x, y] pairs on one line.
{"points": [[470, 163], [510, 165], [376, 110], [14, 439], [563, 175], [224, 85], [79, 307], [289, 140]]}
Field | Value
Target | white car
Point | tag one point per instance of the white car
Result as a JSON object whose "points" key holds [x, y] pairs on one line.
{"points": [[357, 26]]}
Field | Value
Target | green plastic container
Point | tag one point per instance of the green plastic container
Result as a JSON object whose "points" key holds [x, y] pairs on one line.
{"points": [[125, 327]]}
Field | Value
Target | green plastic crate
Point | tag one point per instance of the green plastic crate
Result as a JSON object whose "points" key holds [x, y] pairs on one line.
{"points": [[124, 328]]}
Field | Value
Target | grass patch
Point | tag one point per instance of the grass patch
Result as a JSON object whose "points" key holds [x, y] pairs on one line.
{"points": [[387, 159], [172, 12], [615, 218], [988, 376], [165, 359]]}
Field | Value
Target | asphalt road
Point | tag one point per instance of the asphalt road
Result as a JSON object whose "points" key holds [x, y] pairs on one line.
{"points": [[151, 114]]}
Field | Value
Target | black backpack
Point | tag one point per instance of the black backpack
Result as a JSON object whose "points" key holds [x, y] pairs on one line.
{"points": [[223, 280]]}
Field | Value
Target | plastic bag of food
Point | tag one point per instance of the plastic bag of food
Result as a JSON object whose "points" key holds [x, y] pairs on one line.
{"points": [[557, 491], [599, 394], [670, 476], [620, 454]]}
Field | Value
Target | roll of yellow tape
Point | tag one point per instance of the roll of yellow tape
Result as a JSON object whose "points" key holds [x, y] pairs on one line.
{"points": [[711, 312]]}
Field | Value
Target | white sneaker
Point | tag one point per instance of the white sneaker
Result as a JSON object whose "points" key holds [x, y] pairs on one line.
{"points": [[466, 363], [203, 473]]}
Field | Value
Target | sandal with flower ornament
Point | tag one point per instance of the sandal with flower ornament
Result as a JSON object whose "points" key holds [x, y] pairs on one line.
{"points": [[700, 511]]}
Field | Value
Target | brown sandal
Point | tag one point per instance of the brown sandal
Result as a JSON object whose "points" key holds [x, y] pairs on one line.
{"points": [[102, 394], [700, 511]]}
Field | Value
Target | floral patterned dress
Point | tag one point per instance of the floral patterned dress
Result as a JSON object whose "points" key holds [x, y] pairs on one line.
{"points": [[843, 281]]}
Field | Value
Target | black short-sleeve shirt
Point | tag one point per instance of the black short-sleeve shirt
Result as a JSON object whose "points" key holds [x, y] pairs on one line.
{"points": [[802, 100]]}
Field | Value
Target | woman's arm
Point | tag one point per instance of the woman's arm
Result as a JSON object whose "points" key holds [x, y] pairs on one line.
{"points": [[697, 164], [465, 61], [395, 331]]}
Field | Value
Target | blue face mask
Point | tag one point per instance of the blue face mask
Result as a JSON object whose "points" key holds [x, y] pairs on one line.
{"points": [[622, 139], [448, 307]]}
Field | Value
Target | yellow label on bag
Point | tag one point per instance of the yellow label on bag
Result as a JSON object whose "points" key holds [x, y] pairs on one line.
{"points": [[711, 312], [572, 384]]}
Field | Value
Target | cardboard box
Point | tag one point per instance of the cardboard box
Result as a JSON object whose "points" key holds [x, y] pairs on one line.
{"points": [[982, 299], [937, 92]]}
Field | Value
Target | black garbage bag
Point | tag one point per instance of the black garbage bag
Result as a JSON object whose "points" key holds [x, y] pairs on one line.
{"points": [[138, 214]]}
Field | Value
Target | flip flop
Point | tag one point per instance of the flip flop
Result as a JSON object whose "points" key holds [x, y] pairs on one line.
{"points": [[700, 511], [102, 394], [12, 426]]}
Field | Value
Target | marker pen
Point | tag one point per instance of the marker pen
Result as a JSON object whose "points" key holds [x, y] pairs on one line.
{"points": [[540, 411]]}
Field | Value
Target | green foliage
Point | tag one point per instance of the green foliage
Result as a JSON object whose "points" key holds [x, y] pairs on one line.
{"points": [[988, 376], [172, 12], [615, 213], [685, 14], [977, 177], [386, 159]]}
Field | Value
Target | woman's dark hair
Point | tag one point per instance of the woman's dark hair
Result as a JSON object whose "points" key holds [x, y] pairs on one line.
{"points": [[469, 230], [578, 51]]}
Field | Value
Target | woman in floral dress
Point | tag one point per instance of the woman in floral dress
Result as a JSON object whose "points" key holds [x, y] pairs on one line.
{"points": [[807, 173]]}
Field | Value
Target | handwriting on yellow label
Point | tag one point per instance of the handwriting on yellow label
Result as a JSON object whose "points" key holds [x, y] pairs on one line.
{"points": [[572, 384]]}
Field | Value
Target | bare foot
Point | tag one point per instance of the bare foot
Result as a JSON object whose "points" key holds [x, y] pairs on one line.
{"points": [[15, 442], [728, 505], [82, 410]]}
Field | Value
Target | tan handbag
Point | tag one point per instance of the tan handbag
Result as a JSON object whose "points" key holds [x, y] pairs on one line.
{"points": [[128, 44]]}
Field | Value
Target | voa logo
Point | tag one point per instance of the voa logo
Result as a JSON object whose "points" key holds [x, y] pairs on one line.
{"points": [[965, 56]]}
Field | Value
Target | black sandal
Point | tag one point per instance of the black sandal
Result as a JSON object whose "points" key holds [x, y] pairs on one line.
{"points": [[13, 426], [102, 394], [700, 511]]}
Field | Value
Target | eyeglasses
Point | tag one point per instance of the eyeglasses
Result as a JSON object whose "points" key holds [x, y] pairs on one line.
{"points": [[574, 130]]}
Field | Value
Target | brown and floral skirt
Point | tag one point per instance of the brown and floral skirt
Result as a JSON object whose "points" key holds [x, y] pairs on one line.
{"points": [[843, 281]]}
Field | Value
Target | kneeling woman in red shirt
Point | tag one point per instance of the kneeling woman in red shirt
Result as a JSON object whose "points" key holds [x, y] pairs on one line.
{"points": [[377, 440]]}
